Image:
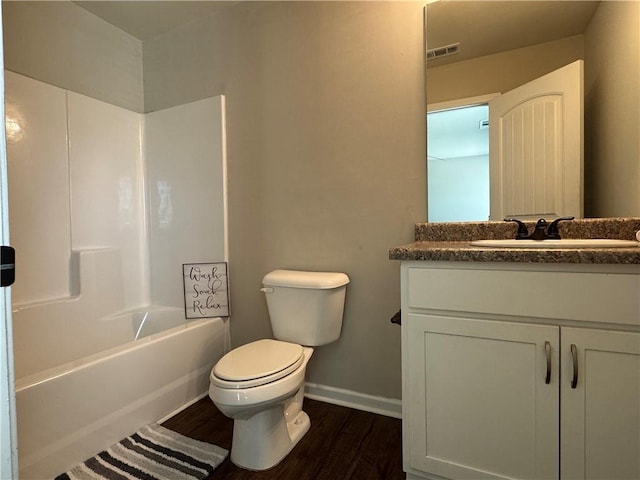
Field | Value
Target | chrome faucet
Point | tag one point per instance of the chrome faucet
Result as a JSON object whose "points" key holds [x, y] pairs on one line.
{"points": [[543, 230]]}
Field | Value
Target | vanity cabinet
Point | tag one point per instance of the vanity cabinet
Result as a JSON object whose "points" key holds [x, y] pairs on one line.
{"points": [[518, 371], [600, 418]]}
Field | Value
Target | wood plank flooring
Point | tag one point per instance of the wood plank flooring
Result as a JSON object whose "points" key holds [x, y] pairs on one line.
{"points": [[342, 444]]}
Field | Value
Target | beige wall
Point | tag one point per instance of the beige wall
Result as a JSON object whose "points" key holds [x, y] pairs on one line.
{"points": [[612, 111], [500, 72], [326, 157], [326, 149], [66, 46]]}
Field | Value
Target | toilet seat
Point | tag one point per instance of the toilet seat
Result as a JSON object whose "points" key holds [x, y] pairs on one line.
{"points": [[257, 363]]}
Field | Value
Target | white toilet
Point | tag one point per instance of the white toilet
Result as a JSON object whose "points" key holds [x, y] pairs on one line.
{"points": [[261, 384]]}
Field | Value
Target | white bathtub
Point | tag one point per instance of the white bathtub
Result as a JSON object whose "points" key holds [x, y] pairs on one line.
{"points": [[71, 411]]}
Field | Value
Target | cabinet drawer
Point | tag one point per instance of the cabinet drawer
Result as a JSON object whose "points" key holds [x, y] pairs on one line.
{"points": [[596, 297]]}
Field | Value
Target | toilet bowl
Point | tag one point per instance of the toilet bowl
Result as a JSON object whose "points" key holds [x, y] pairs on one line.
{"points": [[267, 410], [260, 385]]}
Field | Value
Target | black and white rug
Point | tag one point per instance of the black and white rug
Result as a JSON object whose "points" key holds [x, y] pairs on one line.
{"points": [[152, 453]]}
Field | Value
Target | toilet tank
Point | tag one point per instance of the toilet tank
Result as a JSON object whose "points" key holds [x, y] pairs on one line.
{"points": [[305, 307]]}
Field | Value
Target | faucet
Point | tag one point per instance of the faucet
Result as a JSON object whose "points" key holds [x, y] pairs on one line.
{"points": [[543, 230]]}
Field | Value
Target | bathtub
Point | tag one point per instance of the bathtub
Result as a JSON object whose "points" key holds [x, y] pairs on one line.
{"points": [[153, 364]]}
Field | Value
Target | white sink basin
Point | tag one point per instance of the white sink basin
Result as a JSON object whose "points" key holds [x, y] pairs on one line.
{"points": [[564, 243]]}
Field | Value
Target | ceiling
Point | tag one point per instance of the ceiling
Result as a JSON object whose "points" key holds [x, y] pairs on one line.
{"points": [[145, 19], [494, 26], [488, 27]]}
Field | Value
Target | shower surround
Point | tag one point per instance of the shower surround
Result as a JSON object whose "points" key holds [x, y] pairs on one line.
{"points": [[105, 207]]}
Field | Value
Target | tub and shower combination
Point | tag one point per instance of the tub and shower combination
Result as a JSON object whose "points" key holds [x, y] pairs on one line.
{"points": [[83, 382], [101, 345]]}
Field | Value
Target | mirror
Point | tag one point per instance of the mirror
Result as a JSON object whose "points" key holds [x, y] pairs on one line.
{"points": [[504, 44]]}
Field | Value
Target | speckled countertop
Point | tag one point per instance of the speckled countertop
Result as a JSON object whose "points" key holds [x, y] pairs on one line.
{"points": [[451, 242]]}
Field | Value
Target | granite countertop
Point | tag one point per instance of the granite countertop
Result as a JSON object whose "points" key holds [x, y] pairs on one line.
{"points": [[451, 242]]}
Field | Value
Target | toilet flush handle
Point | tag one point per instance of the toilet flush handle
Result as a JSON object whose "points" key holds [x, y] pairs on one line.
{"points": [[267, 290]]}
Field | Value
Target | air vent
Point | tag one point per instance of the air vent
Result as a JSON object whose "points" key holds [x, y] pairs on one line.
{"points": [[443, 51], [483, 124]]}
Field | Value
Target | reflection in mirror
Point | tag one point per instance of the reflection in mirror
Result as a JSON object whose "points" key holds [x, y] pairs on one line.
{"points": [[502, 45], [458, 182]]}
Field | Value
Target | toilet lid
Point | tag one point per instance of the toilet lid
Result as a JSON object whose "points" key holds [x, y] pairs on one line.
{"points": [[257, 360]]}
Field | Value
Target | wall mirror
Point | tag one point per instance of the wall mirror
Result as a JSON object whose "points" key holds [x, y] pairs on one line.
{"points": [[480, 50]]}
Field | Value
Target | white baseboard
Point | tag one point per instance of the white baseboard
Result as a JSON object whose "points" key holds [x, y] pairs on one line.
{"points": [[390, 407]]}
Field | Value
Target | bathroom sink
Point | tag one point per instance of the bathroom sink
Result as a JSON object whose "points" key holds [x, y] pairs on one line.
{"points": [[564, 243]]}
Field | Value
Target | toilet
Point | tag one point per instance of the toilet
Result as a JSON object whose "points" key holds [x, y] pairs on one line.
{"points": [[261, 384]]}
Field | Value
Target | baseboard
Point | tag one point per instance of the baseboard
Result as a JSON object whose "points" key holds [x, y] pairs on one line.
{"points": [[390, 407]]}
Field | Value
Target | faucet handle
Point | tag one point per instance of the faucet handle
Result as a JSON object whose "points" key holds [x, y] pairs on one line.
{"points": [[553, 232], [522, 228]]}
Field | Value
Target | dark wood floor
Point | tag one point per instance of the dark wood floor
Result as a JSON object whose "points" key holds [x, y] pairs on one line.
{"points": [[342, 444]]}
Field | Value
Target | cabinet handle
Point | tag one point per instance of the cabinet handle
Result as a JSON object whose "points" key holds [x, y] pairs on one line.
{"points": [[574, 356], [547, 349]]}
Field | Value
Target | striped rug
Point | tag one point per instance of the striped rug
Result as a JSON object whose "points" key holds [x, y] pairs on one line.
{"points": [[152, 453]]}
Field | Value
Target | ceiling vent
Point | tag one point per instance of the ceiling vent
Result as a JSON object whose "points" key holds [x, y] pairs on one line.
{"points": [[443, 51]]}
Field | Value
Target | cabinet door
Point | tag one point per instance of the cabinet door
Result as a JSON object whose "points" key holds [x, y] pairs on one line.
{"points": [[478, 403], [600, 427]]}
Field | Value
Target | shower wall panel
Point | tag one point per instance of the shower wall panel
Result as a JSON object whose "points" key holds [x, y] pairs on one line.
{"points": [[185, 153], [76, 183], [107, 190], [78, 168], [39, 191]]}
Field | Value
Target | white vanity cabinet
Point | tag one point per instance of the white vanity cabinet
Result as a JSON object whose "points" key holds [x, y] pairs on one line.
{"points": [[491, 389], [600, 418]]}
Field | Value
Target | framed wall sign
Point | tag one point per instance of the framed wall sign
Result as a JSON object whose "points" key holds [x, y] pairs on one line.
{"points": [[206, 291]]}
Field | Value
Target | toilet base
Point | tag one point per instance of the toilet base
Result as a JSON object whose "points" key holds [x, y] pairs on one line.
{"points": [[263, 440]]}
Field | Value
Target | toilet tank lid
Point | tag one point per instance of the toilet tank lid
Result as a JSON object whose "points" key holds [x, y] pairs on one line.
{"points": [[300, 279]]}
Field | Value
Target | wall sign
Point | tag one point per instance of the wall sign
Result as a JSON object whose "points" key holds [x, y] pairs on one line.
{"points": [[206, 291]]}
